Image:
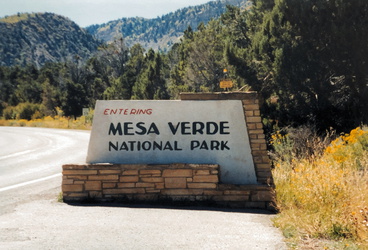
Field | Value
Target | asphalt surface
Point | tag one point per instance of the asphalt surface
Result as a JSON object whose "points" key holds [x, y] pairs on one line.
{"points": [[32, 218], [28, 154]]}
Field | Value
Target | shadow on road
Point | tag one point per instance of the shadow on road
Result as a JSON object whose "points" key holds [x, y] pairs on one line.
{"points": [[196, 206]]}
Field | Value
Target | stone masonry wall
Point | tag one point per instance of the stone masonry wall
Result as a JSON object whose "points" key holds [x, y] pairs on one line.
{"points": [[254, 125], [159, 183]]}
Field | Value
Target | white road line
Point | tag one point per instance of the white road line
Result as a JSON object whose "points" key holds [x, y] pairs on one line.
{"points": [[29, 182], [17, 154]]}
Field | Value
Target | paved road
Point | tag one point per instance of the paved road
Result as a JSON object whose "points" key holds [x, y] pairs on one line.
{"points": [[31, 156], [32, 153], [31, 217]]}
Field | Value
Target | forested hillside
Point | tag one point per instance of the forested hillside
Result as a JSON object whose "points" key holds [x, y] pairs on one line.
{"points": [[162, 32], [307, 59], [42, 37]]}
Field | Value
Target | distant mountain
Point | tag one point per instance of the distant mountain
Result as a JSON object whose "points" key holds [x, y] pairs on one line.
{"points": [[161, 32], [41, 37], [38, 38]]}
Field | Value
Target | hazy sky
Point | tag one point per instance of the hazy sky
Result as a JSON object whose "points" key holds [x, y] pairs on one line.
{"points": [[87, 12]]}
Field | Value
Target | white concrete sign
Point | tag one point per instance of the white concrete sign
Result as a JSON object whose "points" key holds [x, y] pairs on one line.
{"points": [[164, 132]]}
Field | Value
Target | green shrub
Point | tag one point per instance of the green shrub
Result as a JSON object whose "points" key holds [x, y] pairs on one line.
{"points": [[9, 113]]}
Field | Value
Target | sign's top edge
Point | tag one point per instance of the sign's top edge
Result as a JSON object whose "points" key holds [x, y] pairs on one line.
{"points": [[166, 100]]}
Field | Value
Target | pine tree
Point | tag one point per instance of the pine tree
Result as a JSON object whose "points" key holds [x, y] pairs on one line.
{"points": [[151, 83]]}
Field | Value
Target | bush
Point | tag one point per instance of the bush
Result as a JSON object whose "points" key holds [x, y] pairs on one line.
{"points": [[9, 113], [324, 195], [299, 143], [26, 111]]}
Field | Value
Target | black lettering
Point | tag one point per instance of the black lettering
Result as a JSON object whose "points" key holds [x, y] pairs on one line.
{"points": [[176, 147], [124, 146], [113, 146], [146, 145], [168, 146], [174, 129], [116, 129], [194, 145], [214, 129], [198, 128], [224, 145], [153, 129], [184, 128], [131, 145], [215, 145], [143, 129], [204, 145], [149, 145], [128, 128], [223, 127], [157, 145]]}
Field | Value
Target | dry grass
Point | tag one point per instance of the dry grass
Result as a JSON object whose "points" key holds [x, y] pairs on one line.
{"points": [[51, 122], [324, 196]]}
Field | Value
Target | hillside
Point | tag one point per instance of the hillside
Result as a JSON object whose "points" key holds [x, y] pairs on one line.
{"points": [[162, 32], [42, 37]]}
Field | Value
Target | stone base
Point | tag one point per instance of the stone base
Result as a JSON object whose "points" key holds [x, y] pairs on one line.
{"points": [[174, 183]]}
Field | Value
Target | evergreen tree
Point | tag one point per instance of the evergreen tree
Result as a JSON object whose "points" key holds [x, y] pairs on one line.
{"points": [[151, 83], [205, 60], [75, 99], [238, 44], [134, 67], [312, 55]]}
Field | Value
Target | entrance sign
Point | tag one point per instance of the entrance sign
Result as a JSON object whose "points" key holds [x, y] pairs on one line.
{"points": [[165, 132]]}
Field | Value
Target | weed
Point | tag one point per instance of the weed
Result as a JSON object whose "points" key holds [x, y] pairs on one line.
{"points": [[60, 197], [325, 194]]}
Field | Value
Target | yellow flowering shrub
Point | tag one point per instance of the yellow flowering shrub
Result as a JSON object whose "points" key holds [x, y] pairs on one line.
{"points": [[352, 145], [327, 196]]}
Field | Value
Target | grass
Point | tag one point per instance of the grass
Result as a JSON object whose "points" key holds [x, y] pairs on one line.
{"points": [[83, 122], [60, 197], [322, 198]]}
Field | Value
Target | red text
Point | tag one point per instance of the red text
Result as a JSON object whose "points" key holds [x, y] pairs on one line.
{"points": [[127, 111]]}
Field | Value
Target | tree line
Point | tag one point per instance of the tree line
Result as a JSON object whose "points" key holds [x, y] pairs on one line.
{"points": [[307, 59]]}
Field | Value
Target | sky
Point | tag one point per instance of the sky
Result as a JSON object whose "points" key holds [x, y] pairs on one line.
{"points": [[88, 12]]}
